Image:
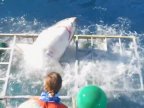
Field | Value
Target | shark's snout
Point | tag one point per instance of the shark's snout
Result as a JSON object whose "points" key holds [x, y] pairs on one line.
{"points": [[73, 19]]}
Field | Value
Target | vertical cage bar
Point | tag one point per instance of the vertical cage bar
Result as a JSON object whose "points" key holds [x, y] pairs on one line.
{"points": [[92, 46], [120, 45], [9, 67], [76, 64], [138, 62], [105, 44]]}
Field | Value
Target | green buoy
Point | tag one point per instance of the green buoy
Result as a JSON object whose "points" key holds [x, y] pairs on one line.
{"points": [[3, 45], [91, 97]]}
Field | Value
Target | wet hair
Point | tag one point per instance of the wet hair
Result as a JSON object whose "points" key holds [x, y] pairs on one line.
{"points": [[52, 83]]}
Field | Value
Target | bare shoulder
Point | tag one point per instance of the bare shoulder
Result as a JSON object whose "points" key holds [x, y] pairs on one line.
{"points": [[29, 104]]}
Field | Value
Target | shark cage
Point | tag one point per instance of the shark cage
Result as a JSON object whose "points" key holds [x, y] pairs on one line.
{"points": [[91, 48]]}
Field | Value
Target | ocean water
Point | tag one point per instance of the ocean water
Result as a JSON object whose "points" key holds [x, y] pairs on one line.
{"points": [[110, 17]]}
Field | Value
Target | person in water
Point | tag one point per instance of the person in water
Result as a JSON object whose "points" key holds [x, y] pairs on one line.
{"points": [[49, 97]]}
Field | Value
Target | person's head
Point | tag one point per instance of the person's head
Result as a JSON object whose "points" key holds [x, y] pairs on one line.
{"points": [[52, 83]]}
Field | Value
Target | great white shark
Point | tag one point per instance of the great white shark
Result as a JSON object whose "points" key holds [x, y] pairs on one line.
{"points": [[50, 44]]}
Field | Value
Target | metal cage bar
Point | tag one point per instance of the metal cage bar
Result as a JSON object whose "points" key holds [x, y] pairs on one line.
{"points": [[76, 38]]}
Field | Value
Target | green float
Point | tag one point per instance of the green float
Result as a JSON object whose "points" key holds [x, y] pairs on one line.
{"points": [[3, 45], [91, 97]]}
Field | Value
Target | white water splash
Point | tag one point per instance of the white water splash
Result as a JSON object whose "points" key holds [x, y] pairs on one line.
{"points": [[110, 70]]}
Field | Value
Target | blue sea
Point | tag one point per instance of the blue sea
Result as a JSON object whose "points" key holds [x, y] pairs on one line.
{"points": [[108, 17]]}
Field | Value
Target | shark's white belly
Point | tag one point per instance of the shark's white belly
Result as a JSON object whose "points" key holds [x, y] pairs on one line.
{"points": [[53, 42]]}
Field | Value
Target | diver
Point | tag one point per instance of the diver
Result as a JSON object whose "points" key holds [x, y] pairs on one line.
{"points": [[49, 97]]}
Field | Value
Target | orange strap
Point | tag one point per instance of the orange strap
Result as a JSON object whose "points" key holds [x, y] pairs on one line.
{"points": [[49, 104]]}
